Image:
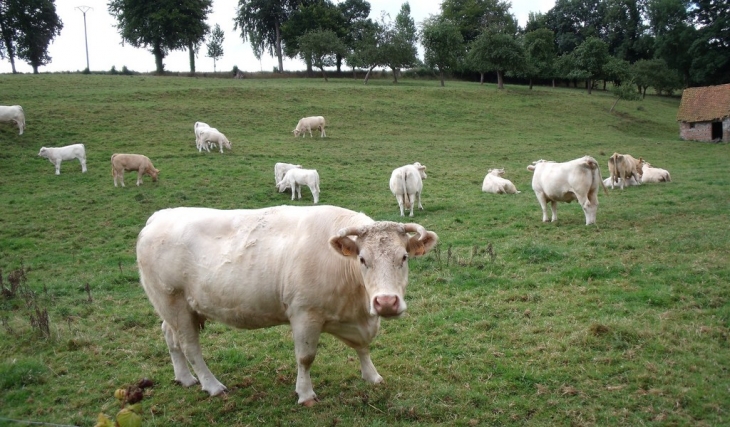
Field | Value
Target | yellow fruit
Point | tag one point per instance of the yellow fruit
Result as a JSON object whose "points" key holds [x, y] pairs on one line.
{"points": [[120, 394], [103, 421], [128, 418]]}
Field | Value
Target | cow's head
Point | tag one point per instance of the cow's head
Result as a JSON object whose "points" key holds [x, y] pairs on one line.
{"points": [[43, 152], [154, 173], [497, 172], [640, 166], [421, 169], [296, 132], [382, 250]]}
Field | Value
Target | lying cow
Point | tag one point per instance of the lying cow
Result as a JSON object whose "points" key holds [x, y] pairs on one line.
{"points": [[624, 166], [211, 137], [406, 184], [58, 154], [564, 182], [280, 169], [655, 175], [494, 183], [336, 271], [307, 124], [132, 162], [295, 178], [628, 183], [13, 114]]}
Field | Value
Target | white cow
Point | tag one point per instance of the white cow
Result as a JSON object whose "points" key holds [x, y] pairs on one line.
{"points": [[564, 182], [295, 178], [280, 169], [406, 184], [655, 175], [625, 183], [58, 154], [317, 268], [308, 123], [209, 137], [198, 129], [13, 114], [494, 183]]}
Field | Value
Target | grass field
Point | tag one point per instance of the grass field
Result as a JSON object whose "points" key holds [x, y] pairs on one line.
{"points": [[511, 321]]}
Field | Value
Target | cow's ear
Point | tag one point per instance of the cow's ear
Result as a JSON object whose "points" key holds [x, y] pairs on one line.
{"points": [[345, 246], [421, 247]]}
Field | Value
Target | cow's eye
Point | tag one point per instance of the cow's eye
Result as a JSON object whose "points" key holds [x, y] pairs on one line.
{"points": [[362, 261], [405, 258]]}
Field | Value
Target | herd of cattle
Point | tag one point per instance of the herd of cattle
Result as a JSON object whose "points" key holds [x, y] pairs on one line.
{"points": [[316, 268]]}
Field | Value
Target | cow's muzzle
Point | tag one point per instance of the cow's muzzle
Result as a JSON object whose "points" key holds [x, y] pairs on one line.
{"points": [[388, 305]]}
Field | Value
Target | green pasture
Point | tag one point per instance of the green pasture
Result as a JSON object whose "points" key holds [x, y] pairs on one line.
{"points": [[510, 321]]}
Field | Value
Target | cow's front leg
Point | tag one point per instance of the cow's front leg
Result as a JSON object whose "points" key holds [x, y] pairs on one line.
{"points": [[554, 208], [294, 191], [369, 373], [306, 337], [58, 167], [139, 176], [179, 363]]}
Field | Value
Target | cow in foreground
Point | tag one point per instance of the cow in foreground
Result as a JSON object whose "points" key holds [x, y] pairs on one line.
{"points": [[406, 184], [210, 137], [317, 268], [56, 155], [494, 183], [306, 124], [280, 169], [13, 114], [624, 166], [564, 182], [655, 175], [295, 178], [132, 162]]}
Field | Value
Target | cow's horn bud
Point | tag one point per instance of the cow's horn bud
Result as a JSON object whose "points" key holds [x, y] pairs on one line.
{"points": [[350, 231], [415, 228]]}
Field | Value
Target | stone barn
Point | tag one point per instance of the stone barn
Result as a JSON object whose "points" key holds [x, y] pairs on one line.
{"points": [[704, 114]]}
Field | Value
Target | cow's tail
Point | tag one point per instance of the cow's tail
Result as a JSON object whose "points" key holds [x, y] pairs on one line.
{"points": [[597, 173], [113, 155], [404, 182]]}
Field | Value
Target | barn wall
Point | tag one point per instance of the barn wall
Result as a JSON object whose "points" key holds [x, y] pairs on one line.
{"points": [[726, 130], [701, 131]]}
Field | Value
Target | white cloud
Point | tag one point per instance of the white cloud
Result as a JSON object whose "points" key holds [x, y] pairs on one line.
{"points": [[68, 51]]}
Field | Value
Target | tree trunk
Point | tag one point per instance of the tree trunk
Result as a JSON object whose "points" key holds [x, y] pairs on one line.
{"points": [[441, 76], [159, 56], [395, 75], [614, 104], [553, 83], [191, 50], [323, 74], [214, 65], [367, 75], [339, 63], [354, 74], [481, 78], [35, 68], [604, 85], [277, 46], [530, 83], [589, 85], [643, 94], [309, 67], [10, 51], [500, 80]]}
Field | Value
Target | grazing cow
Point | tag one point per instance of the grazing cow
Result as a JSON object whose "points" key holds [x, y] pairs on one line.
{"points": [[494, 183], [628, 183], [308, 123], [295, 178], [198, 128], [210, 137], [132, 162], [280, 169], [317, 268], [624, 166], [13, 114], [406, 184], [58, 154], [655, 175], [564, 182]]}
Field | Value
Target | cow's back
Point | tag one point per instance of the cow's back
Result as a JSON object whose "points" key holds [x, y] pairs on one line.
{"points": [[246, 268]]}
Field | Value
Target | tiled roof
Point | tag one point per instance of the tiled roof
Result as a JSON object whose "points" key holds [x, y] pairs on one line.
{"points": [[702, 104]]}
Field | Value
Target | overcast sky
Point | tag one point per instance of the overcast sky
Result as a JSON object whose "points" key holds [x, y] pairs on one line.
{"points": [[105, 49]]}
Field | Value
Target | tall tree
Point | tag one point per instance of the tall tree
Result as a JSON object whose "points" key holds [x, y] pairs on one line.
{"points": [[625, 30], [674, 35], [495, 51], [318, 16], [321, 49], [355, 20], [162, 25], [573, 21], [37, 25], [655, 73], [215, 44], [473, 15], [443, 44], [9, 33], [399, 45], [711, 50], [367, 51], [589, 59], [540, 54], [260, 23]]}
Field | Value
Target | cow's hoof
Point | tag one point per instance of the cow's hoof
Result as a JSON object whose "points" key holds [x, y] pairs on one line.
{"points": [[187, 382], [216, 390], [309, 403]]}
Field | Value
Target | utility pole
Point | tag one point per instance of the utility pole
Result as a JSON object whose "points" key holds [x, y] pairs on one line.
{"points": [[83, 10]]}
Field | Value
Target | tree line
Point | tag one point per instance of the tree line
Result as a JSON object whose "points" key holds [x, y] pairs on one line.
{"points": [[663, 44]]}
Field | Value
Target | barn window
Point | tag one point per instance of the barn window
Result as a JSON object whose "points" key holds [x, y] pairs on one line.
{"points": [[691, 125]]}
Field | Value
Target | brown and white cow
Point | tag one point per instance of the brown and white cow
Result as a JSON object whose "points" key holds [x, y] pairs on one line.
{"points": [[317, 268], [577, 179], [624, 166]]}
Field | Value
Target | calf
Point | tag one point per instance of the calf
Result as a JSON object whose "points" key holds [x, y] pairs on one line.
{"points": [[56, 155], [308, 123], [211, 137], [132, 162], [655, 175], [564, 182], [13, 114], [628, 182], [198, 129], [406, 184], [494, 183], [624, 166], [280, 169], [296, 178]]}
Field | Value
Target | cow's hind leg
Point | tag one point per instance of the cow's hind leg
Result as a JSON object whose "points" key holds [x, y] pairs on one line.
{"points": [[306, 337], [179, 363], [554, 209]]}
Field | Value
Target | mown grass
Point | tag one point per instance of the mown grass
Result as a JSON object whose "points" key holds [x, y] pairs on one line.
{"points": [[510, 321]]}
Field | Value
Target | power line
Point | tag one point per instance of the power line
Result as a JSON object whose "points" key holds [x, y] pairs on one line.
{"points": [[83, 10]]}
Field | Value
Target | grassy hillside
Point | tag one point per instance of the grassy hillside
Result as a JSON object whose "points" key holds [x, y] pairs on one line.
{"points": [[510, 320]]}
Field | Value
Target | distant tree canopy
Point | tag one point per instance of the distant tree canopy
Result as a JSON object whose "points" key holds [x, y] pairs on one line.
{"points": [[215, 44], [162, 25], [321, 48], [443, 44], [27, 28]]}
